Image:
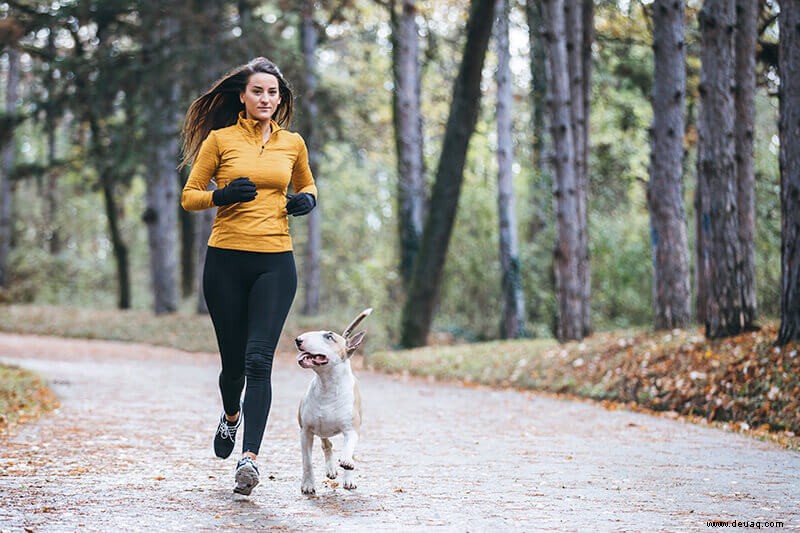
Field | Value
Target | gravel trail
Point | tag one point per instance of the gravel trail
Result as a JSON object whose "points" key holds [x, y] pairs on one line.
{"points": [[130, 450]]}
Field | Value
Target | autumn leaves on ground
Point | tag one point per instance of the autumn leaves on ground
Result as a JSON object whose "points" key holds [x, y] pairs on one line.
{"points": [[744, 382]]}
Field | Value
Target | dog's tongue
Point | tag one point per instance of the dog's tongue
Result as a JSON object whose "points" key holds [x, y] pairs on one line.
{"points": [[307, 360]]}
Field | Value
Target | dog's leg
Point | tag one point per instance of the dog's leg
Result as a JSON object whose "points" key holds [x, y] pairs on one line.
{"points": [[347, 462], [306, 445], [330, 465]]}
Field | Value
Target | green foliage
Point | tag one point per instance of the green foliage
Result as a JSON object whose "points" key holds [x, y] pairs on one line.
{"points": [[621, 268], [357, 177]]}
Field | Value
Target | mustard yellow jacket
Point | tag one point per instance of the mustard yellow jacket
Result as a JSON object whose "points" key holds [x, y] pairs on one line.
{"points": [[228, 153]]}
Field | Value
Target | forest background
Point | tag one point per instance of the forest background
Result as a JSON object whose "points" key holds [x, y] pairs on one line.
{"points": [[103, 85]]}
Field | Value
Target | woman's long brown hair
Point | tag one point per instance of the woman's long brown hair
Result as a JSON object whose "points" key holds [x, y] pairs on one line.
{"points": [[220, 106]]}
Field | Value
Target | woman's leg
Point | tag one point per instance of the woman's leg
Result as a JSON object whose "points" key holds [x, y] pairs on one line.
{"points": [[226, 295], [270, 299]]}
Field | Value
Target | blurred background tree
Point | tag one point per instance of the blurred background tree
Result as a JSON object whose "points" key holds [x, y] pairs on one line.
{"points": [[94, 92]]}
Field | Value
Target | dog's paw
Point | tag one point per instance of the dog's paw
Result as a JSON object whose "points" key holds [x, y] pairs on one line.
{"points": [[307, 488], [349, 485], [347, 464], [331, 473]]}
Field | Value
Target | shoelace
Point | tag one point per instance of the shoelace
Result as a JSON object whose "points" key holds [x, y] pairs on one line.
{"points": [[226, 431]]}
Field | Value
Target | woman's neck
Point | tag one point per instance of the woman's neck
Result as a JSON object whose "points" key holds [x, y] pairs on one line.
{"points": [[266, 129]]}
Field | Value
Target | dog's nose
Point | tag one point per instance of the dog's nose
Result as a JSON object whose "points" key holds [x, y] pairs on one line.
{"points": [[298, 341]]}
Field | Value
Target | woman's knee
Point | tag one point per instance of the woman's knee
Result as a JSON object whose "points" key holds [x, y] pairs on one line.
{"points": [[258, 359]]}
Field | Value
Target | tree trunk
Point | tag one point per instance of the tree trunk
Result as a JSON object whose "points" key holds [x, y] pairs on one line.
{"points": [[701, 284], [51, 235], [789, 21], [722, 259], [117, 243], [541, 185], [411, 197], [312, 278], [162, 122], [104, 164], [669, 242], [579, 65], [746, 38], [211, 69], [587, 13], [7, 155], [569, 289], [513, 320], [423, 293]]}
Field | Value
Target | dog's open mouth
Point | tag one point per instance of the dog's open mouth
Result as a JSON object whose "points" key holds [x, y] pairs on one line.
{"points": [[308, 360]]}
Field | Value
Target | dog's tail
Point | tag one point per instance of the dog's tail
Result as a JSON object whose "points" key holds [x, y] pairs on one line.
{"points": [[364, 314]]}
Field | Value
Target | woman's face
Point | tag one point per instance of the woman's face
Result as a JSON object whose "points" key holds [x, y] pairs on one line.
{"points": [[261, 96]]}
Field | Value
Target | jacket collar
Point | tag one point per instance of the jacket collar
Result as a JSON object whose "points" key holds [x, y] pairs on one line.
{"points": [[253, 127]]}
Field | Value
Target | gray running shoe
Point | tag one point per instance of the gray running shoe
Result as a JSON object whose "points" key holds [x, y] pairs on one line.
{"points": [[246, 476], [225, 437]]}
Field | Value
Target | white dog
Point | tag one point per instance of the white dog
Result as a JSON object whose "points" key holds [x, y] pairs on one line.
{"points": [[332, 404]]}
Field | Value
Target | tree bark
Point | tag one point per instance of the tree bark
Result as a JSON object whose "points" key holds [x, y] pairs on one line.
{"points": [[722, 258], [669, 242], [51, 234], [579, 67], [425, 286], [587, 13], [162, 122], [789, 21], [211, 69], [118, 244], [7, 161], [411, 196], [105, 166], [312, 278], [746, 39], [569, 289], [513, 320], [541, 185]]}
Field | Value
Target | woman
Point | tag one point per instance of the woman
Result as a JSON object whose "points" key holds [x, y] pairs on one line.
{"points": [[234, 134]]}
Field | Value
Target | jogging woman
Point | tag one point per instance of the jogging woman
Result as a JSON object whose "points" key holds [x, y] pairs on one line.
{"points": [[234, 135]]}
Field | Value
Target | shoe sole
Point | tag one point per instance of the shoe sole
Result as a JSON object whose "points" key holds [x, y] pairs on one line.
{"points": [[246, 480]]}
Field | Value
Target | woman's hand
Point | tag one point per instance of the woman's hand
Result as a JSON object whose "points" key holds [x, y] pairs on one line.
{"points": [[239, 190], [300, 204]]}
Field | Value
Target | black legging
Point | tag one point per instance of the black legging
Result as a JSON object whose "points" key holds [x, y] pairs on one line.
{"points": [[248, 295]]}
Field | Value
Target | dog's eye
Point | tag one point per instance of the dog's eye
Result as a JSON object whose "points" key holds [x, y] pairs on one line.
{"points": [[328, 336]]}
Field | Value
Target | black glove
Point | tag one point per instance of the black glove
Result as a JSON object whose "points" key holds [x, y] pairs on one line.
{"points": [[239, 190], [300, 204]]}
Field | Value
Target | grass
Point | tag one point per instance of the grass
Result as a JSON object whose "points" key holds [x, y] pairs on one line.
{"points": [[183, 330], [190, 332]]}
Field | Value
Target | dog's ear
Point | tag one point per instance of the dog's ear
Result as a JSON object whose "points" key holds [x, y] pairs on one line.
{"points": [[354, 342], [349, 329]]}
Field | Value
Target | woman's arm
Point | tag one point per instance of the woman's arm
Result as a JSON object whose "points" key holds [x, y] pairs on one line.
{"points": [[196, 195], [302, 180]]}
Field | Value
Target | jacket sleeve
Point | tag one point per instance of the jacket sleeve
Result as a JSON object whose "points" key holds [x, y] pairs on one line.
{"points": [[302, 180], [196, 195]]}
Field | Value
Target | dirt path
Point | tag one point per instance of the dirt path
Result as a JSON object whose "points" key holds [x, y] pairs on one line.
{"points": [[130, 449]]}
